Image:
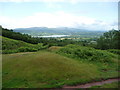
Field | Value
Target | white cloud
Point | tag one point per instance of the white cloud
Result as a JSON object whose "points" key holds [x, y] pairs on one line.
{"points": [[7, 22], [56, 19], [72, 1]]}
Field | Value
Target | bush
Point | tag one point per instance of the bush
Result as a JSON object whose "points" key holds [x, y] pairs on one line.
{"points": [[27, 49], [9, 51], [86, 53], [40, 46], [115, 51]]}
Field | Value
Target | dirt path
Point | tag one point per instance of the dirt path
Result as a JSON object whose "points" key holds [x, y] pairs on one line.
{"points": [[87, 85]]}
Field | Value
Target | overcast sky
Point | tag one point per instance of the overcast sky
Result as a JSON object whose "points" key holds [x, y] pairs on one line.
{"points": [[59, 13]]}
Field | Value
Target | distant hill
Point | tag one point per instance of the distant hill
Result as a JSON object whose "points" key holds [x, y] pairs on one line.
{"points": [[39, 31]]}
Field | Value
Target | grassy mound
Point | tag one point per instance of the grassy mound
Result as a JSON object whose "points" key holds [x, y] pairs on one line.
{"points": [[37, 70], [13, 46], [46, 70]]}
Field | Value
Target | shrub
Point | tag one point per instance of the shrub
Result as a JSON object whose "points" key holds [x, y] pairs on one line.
{"points": [[9, 51], [115, 51], [27, 49], [40, 46], [86, 53]]}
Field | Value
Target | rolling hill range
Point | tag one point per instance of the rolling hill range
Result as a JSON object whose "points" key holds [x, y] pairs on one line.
{"points": [[38, 31]]}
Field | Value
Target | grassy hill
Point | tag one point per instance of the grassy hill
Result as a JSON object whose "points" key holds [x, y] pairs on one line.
{"points": [[13, 46], [37, 70], [8, 43], [45, 69]]}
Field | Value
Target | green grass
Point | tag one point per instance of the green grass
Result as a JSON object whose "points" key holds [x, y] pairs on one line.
{"points": [[10, 44], [47, 70], [37, 70], [14, 46], [87, 54], [116, 51], [106, 62], [109, 85]]}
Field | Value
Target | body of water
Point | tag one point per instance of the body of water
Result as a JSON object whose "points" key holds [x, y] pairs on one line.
{"points": [[55, 36]]}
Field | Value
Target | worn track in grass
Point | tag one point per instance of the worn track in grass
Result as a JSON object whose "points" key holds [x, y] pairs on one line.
{"points": [[88, 85]]}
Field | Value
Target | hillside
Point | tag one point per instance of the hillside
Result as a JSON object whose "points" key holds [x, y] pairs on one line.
{"points": [[36, 70], [13, 46], [45, 69], [8, 43]]}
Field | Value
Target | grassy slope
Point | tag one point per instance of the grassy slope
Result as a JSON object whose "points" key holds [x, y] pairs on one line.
{"points": [[14, 46], [107, 63], [37, 70], [45, 70], [8, 43]]}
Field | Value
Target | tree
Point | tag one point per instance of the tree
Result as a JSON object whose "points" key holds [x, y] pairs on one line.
{"points": [[109, 40]]}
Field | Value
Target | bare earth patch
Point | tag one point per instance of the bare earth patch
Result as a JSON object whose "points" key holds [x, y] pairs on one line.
{"points": [[88, 85]]}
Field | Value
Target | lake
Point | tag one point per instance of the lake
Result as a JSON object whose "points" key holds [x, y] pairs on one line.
{"points": [[55, 36]]}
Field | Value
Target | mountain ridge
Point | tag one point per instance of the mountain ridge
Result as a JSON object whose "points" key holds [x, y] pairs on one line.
{"points": [[53, 31]]}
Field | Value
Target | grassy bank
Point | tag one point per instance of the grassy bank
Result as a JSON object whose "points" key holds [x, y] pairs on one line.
{"points": [[15, 46], [45, 69]]}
